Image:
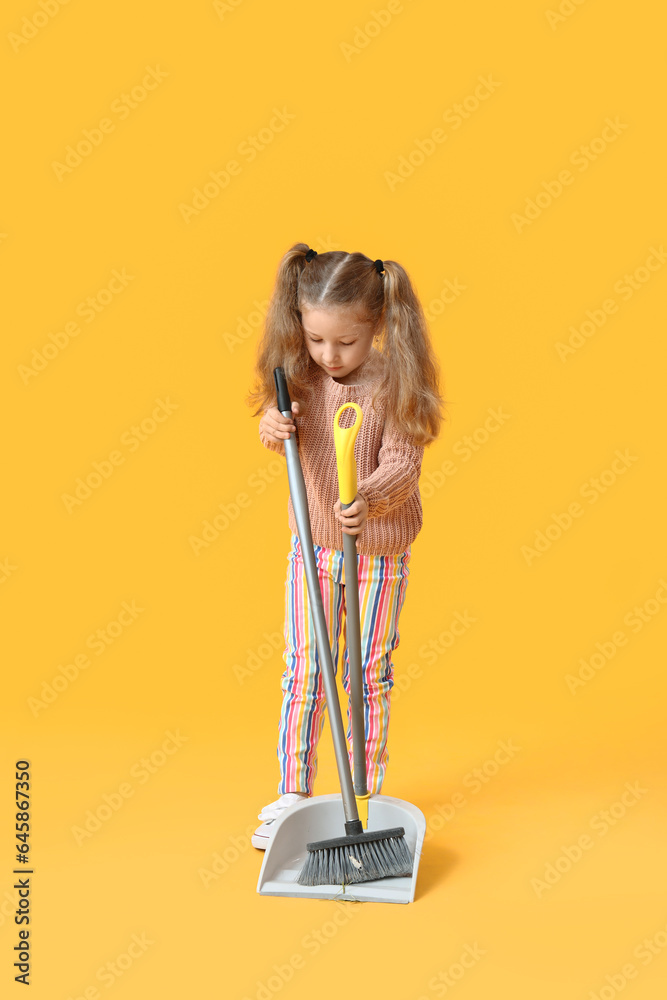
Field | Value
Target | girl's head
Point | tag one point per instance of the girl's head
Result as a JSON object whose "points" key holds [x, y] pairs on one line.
{"points": [[338, 338], [330, 311]]}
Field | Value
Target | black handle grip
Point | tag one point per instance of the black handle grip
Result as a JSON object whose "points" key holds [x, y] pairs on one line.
{"points": [[284, 402]]}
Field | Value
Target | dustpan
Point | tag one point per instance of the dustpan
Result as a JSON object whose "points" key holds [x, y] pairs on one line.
{"points": [[314, 819]]}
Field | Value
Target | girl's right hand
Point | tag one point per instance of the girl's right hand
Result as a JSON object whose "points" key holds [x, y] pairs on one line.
{"points": [[275, 426]]}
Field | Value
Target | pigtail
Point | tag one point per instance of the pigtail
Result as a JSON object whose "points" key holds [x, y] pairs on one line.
{"points": [[282, 340], [412, 384]]}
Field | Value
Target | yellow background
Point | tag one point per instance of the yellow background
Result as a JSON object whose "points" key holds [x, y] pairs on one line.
{"points": [[169, 334]]}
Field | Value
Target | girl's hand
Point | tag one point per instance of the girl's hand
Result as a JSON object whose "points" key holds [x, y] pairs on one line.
{"points": [[354, 517], [275, 426]]}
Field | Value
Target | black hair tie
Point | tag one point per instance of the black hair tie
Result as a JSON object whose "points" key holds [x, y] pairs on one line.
{"points": [[310, 255], [379, 266]]}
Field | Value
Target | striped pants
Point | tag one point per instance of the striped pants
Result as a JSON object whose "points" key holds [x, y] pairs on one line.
{"points": [[382, 584]]}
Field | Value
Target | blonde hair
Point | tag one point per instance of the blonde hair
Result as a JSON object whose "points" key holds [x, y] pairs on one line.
{"points": [[409, 390]]}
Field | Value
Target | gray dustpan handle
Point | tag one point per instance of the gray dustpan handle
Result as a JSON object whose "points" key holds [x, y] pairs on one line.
{"points": [[300, 504], [353, 632]]}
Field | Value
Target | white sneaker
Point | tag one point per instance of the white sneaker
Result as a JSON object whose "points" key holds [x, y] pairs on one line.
{"points": [[277, 808], [262, 835]]}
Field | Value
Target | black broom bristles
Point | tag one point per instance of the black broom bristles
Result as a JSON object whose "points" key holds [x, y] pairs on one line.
{"points": [[361, 857]]}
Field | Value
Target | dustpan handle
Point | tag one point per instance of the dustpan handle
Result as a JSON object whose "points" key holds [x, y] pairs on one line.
{"points": [[344, 441], [297, 488]]}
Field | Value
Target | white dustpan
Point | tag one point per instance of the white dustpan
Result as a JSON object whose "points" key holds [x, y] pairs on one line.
{"points": [[321, 817]]}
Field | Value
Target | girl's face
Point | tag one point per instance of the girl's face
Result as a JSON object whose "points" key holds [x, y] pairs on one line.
{"points": [[338, 340]]}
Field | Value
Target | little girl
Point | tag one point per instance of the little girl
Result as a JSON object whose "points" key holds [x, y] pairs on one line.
{"points": [[346, 328]]}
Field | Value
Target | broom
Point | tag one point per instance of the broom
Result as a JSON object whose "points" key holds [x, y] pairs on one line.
{"points": [[358, 856]]}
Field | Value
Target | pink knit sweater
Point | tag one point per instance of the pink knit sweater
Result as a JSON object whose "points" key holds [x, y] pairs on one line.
{"points": [[388, 466]]}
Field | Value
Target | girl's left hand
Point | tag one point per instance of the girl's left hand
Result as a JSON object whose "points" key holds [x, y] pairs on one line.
{"points": [[354, 517]]}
